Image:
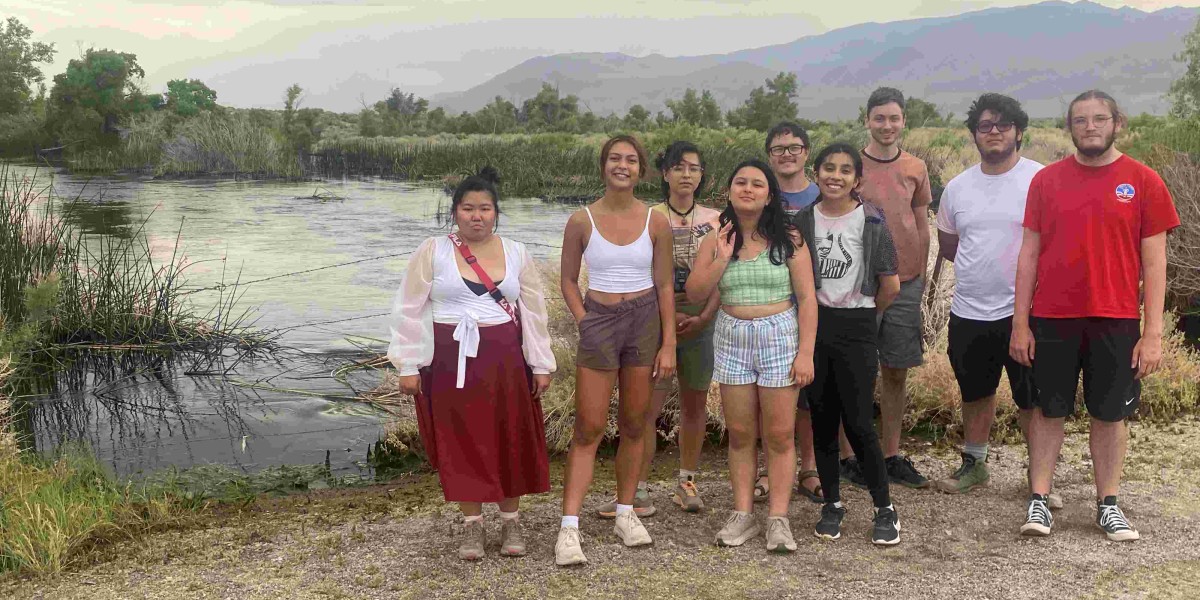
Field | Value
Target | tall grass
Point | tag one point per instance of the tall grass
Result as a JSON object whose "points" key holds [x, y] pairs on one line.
{"points": [[221, 144], [63, 291]]}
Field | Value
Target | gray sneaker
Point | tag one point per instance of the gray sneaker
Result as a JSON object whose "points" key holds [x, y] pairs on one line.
{"points": [[512, 543], [738, 529], [779, 535], [687, 496], [643, 506], [473, 541]]}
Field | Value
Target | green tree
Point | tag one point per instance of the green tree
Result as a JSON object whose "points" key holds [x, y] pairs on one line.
{"points": [[98, 91], [638, 118], [547, 110], [187, 97], [697, 109], [19, 58], [767, 105], [499, 116], [405, 104], [1185, 91]]}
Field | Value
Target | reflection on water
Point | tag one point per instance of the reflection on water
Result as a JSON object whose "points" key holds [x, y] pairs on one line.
{"points": [[144, 414]]}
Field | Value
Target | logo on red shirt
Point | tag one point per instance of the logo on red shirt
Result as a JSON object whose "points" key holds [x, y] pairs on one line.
{"points": [[1125, 192]]}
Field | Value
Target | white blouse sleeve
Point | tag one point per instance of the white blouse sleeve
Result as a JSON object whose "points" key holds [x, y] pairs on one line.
{"points": [[535, 333], [411, 346]]}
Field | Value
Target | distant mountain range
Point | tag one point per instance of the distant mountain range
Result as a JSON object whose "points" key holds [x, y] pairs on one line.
{"points": [[1042, 54]]}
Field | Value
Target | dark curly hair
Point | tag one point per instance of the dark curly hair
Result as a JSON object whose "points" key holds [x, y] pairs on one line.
{"points": [[1007, 107]]}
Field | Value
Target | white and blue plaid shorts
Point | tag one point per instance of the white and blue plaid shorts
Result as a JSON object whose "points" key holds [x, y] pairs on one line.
{"points": [[756, 350]]}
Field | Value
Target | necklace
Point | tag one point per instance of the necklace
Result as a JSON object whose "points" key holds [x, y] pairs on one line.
{"points": [[682, 215]]}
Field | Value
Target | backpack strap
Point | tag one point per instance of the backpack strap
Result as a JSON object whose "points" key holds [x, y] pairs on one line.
{"points": [[487, 282]]}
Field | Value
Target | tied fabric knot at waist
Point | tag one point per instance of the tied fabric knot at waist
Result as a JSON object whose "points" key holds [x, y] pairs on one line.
{"points": [[467, 336]]}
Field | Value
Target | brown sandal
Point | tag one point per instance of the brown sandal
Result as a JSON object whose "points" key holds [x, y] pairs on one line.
{"points": [[814, 494], [762, 488]]}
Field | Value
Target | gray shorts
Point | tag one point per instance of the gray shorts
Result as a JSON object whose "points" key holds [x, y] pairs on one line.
{"points": [[900, 343]]}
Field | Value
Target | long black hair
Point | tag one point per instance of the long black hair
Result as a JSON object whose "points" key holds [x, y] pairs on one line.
{"points": [[486, 180], [772, 225], [672, 156]]}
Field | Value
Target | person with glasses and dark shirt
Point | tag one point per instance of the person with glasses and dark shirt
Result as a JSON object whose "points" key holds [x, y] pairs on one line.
{"points": [[787, 147]]}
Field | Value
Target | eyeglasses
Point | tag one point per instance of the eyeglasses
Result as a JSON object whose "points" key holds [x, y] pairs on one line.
{"points": [[1098, 121], [989, 126], [794, 150], [687, 169]]}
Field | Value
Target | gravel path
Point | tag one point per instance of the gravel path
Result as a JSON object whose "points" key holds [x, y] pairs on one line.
{"points": [[398, 541]]}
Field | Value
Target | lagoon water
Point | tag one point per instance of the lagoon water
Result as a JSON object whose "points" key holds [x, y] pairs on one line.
{"points": [[143, 416]]}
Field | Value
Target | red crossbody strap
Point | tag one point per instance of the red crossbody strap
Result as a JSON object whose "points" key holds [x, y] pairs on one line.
{"points": [[487, 282]]}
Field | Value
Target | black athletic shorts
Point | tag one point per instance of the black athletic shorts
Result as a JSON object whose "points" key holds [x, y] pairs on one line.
{"points": [[1099, 347], [978, 352]]}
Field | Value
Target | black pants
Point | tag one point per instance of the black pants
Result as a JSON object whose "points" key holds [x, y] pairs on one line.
{"points": [[847, 361]]}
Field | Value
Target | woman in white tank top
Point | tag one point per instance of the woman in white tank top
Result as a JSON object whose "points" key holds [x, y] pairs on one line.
{"points": [[626, 332]]}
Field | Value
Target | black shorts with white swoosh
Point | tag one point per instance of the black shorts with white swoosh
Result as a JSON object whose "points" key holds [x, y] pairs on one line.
{"points": [[1100, 348]]}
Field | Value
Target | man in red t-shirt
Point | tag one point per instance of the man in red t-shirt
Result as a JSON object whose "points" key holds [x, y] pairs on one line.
{"points": [[1096, 225]]}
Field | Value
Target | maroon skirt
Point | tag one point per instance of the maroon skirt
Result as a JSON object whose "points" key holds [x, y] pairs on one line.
{"points": [[488, 439]]}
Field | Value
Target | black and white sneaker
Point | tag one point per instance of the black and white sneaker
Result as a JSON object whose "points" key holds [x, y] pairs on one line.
{"points": [[830, 525], [851, 472], [901, 471], [1110, 518], [887, 527], [1038, 519]]}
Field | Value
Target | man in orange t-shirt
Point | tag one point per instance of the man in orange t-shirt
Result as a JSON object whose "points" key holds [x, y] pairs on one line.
{"points": [[1096, 227], [898, 183]]}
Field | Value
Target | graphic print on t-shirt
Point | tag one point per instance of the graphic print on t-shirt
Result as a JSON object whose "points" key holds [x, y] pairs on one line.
{"points": [[833, 266]]}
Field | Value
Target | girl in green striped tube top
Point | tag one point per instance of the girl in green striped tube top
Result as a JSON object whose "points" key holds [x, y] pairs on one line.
{"points": [[763, 344]]}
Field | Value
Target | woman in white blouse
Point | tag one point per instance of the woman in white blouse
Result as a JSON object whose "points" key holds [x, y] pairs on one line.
{"points": [[478, 361]]}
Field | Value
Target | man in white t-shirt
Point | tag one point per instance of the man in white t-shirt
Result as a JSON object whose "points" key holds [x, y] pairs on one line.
{"points": [[979, 229]]}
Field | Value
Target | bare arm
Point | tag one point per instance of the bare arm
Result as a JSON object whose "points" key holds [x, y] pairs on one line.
{"points": [[801, 270], [664, 281], [889, 288], [574, 243], [1021, 346], [1147, 354], [706, 271], [921, 214], [947, 245]]}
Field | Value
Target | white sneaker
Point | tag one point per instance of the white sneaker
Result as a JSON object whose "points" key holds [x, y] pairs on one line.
{"points": [[567, 550], [631, 531]]}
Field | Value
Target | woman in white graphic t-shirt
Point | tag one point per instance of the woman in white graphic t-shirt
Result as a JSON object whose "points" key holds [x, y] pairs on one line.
{"points": [[854, 265]]}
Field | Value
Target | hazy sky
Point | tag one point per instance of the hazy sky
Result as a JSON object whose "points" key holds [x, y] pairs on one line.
{"points": [[433, 46]]}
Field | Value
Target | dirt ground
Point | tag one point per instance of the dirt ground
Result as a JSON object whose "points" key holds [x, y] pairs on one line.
{"points": [[399, 541]]}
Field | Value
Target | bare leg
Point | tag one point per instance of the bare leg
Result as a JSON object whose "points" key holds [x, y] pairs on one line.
{"points": [[471, 509], [1045, 442], [593, 390], [978, 417], [740, 405], [636, 386], [778, 407], [657, 400], [893, 401], [804, 442], [1108, 444], [509, 505], [693, 423]]}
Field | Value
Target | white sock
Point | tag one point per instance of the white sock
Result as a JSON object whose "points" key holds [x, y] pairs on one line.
{"points": [[686, 475], [468, 518], [569, 521], [837, 504], [643, 486], [624, 508], [509, 515]]}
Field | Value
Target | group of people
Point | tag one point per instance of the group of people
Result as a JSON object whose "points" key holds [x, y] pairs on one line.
{"points": [[794, 298]]}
